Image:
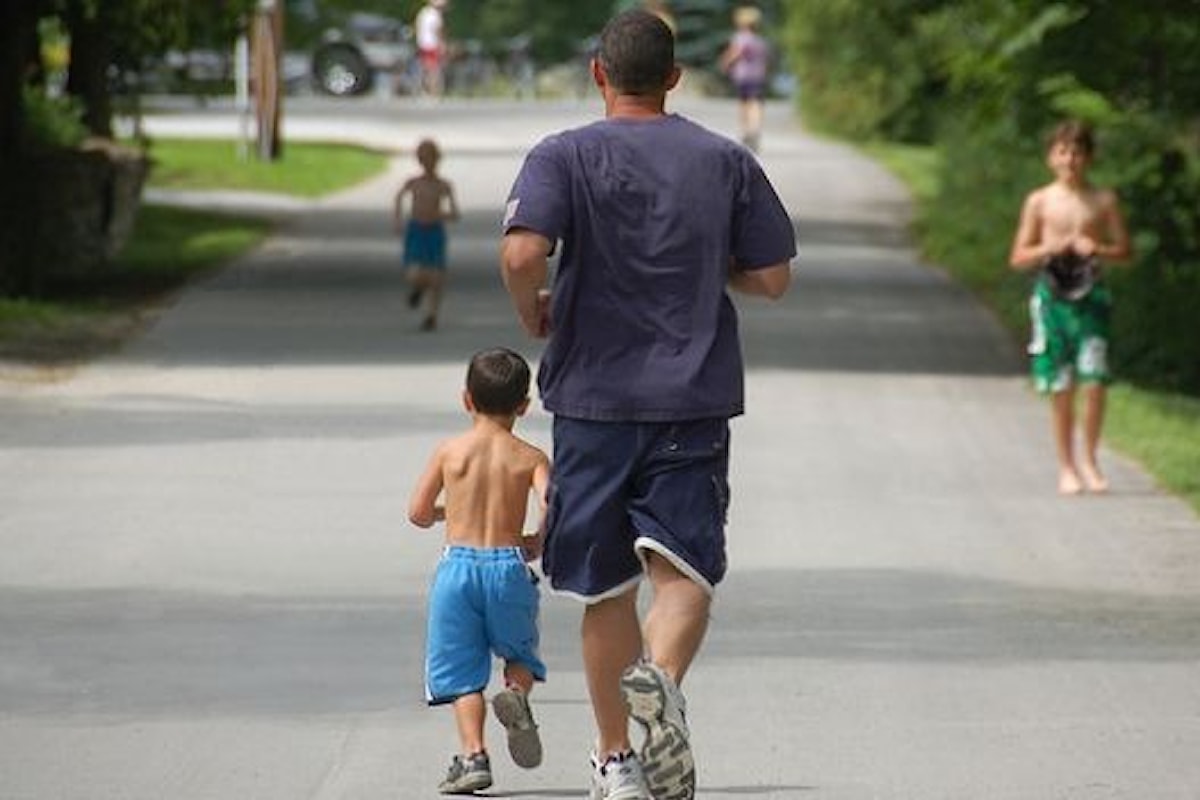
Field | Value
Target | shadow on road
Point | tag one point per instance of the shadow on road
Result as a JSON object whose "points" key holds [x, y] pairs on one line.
{"points": [[169, 653], [329, 290]]}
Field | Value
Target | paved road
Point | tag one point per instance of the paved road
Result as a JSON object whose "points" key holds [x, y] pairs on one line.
{"points": [[208, 588]]}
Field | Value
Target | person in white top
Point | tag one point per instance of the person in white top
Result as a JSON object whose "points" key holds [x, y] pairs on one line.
{"points": [[431, 45]]}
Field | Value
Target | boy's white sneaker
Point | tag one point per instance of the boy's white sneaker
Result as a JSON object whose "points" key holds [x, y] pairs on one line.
{"points": [[658, 705], [618, 777], [524, 744]]}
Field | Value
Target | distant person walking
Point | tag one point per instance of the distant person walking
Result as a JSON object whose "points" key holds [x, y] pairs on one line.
{"points": [[662, 10], [656, 219], [484, 597], [1067, 231], [747, 60], [432, 202], [430, 31]]}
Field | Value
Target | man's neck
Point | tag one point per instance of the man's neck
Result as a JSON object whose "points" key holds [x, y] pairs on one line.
{"points": [[635, 106]]}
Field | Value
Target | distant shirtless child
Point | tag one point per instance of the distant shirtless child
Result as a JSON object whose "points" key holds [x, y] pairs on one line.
{"points": [[432, 206], [484, 597], [1067, 229]]}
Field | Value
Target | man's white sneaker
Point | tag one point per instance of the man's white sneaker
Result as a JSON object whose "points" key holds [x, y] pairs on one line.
{"points": [[618, 777], [658, 705]]}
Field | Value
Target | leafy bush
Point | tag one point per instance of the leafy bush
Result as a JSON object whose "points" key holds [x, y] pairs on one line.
{"points": [[986, 79], [52, 122]]}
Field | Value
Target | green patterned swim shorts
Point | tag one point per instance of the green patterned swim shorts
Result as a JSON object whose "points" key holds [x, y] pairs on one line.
{"points": [[1069, 341]]}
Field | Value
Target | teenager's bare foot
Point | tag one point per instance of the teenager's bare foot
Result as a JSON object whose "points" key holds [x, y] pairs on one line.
{"points": [[1068, 482], [1094, 479]]}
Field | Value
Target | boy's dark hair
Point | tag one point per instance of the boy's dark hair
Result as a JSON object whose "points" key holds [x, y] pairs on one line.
{"points": [[498, 381], [428, 153], [1073, 132], [637, 51]]}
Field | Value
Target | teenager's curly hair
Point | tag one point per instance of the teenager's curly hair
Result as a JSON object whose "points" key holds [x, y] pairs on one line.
{"points": [[1073, 132]]}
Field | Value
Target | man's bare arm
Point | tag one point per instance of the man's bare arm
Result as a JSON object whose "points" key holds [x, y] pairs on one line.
{"points": [[525, 266], [771, 282]]}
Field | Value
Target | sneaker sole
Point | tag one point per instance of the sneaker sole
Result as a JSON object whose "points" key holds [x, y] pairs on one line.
{"points": [[620, 794], [666, 755], [465, 786], [524, 744]]}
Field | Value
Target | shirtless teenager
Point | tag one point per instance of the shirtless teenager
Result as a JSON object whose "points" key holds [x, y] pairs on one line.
{"points": [[1067, 228], [432, 202], [484, 597]]}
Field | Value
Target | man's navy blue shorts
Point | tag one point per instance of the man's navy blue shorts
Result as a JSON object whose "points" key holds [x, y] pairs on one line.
{"points": [[621, 488]]}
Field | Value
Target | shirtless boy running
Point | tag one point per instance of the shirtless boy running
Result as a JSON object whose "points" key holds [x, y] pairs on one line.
{"points": [[432, 205], [1067, 228], [484, 597]]}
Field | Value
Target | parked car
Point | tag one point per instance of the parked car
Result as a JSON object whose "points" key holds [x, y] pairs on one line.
{"points": [[368, 47]]}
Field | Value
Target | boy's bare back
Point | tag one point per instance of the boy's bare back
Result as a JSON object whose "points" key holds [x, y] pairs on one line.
{"points": [[486, 475]]}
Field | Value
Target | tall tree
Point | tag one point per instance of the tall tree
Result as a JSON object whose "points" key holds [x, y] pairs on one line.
{"points": [[90, 25]]}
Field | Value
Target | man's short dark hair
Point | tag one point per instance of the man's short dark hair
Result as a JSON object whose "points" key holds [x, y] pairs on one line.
{"points": [[637, 51], [498, 381]]}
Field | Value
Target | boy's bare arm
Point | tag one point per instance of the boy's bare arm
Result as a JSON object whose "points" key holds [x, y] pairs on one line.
{"points": [[398, 208], [451, 204], [1116, 247], [1028, 249], [540, 485], [423, 508]]}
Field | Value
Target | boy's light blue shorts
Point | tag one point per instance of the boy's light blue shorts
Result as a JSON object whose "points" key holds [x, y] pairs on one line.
{"points": [[483, 601]]}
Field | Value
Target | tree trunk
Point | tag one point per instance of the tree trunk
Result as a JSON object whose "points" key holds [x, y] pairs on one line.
{"points": [[18, 28], [91, 51]]}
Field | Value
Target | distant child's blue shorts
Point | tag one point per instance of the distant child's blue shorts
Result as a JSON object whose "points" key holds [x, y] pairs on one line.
{"points": [[425, 244], [482, 601], [619, 489]]}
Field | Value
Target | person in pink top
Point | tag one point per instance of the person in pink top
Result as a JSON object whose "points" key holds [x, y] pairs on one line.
{"points": [[746, 60]]}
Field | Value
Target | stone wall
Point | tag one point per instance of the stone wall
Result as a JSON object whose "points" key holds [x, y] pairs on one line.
{"points": [[87, 202]]}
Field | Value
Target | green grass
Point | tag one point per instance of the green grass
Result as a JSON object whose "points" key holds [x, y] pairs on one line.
{"points": [[1163, 432], [1159, 429], [916, 166], [28, 312], [170, 244], [305, 170]]}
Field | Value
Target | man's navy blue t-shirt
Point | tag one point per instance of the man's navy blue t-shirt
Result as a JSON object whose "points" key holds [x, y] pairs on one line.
{"points": [[652, 215]]}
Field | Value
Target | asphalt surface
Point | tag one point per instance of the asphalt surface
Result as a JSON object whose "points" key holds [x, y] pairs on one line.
{"points": [[208, 587]]}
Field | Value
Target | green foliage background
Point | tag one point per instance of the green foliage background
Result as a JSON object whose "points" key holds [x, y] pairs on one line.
{"points": [[981, 81]]}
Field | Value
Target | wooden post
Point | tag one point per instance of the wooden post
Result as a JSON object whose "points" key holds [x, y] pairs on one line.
{"points": [[266, 43]]}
